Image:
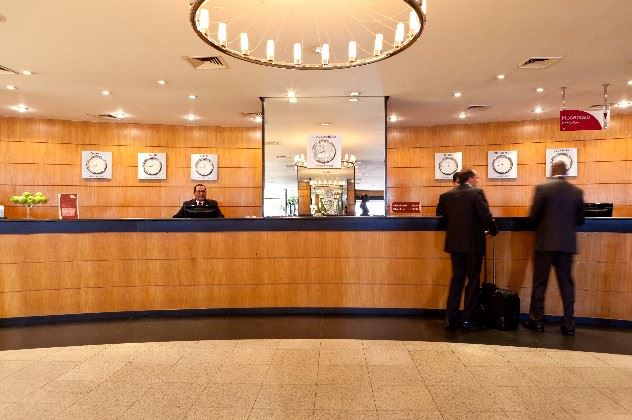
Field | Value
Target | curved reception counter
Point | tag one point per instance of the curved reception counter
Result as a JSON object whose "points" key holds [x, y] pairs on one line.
{"points": [[105, 267]]}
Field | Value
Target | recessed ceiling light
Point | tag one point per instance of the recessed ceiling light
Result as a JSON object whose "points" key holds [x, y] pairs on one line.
{"points": [[11, 87], [629, 82], [353, 99], [27, 72], [192, 97], [105, 92], [325, 124], [21, 108], [291, 96], [393, 118], [500, 76], [462, 115], [119, 115], [457, 94], [539, 90], [191, 117], [161, 82], [538, 110], [354, 93], [258, 119]]}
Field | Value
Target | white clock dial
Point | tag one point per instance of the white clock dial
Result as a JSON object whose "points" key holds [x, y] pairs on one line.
{"points": [[448, 165], [502, 164], [204, 167], [96, 165], [564, 157], [152, 166], [323, 151]]}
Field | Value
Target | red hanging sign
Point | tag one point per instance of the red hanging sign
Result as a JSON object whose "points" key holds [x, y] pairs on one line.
{"points": [[578, 120]]}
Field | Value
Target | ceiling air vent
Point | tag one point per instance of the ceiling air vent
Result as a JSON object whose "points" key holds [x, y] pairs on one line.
{"points": [[539, 62], [107, 117], [7, 71], [207, 63], [477, 108], [600, 106]]}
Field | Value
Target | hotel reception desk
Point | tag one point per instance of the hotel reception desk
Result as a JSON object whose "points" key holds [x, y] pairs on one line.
{"points": [[108, 266]]}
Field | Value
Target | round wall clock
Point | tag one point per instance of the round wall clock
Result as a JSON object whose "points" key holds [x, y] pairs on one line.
{"points": [[96, 165], [502, 164], [152, 166], [564, 157], [324, 151], [448, 165], [204, 166]]}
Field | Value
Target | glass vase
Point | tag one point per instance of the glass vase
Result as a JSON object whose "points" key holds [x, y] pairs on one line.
{"points": [[28, 212]]}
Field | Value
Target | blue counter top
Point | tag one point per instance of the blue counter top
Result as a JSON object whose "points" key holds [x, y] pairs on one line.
{"points": [[375, 223]]}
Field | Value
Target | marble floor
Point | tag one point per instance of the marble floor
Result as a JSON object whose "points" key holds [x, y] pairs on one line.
{"points": [[276, 378]]}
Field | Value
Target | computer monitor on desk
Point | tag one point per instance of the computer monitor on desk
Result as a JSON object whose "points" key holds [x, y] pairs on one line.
{"points": [[598, 209], [201, 212]]}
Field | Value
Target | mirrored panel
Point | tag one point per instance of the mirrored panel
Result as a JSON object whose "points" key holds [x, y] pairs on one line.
{"points": [[323, 154]]}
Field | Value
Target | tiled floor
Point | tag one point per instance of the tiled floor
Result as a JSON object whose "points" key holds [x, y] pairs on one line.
{"points": [[312, 379]]}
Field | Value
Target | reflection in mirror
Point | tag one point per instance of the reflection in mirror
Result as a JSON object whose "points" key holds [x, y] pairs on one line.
{"points": [[322, 154]]}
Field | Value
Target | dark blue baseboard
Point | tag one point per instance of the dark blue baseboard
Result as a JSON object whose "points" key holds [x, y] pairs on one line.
{"points": [[382, 312]]}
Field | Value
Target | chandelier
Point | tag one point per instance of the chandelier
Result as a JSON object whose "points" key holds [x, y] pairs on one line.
{"points": [[309, 35]]}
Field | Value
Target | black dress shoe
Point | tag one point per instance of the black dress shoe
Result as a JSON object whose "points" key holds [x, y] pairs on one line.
{"points": [[451, 325], [469, 325], [534, 325], [567, 332]]}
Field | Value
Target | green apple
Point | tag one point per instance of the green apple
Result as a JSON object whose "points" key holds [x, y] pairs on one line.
{"points": [[22, 199], [39, 193], [37, 199], [44, 199], [30, 200], [26, 194], [14, 199]]}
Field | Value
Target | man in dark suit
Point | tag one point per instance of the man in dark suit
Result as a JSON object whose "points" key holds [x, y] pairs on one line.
{"points": [[200, 206], [465, 213], [557, 210]]}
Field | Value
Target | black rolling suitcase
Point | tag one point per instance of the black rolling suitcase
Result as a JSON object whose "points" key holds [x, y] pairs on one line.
{"points": [[498, 308]]}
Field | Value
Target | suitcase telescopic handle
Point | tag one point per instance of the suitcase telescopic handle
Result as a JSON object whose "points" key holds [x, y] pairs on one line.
{"points": [[485, 276]]}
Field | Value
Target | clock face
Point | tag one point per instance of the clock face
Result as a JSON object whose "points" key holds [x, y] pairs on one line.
{"points": [[152, 166], [204, 166], [96, 165], [448, 165], [502, 164], [564, 157], [323, 151]]}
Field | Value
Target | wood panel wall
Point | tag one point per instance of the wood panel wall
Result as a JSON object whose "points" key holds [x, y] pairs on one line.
{"points": [[604, 171], [109, 272], [45, 155]]}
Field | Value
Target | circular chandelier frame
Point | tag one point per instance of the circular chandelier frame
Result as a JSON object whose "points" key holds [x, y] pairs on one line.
{"points": [[415, 5]]}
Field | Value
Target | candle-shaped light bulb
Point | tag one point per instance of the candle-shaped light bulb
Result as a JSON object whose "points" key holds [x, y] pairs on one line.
{"points": [[270, 50], [379, 39], [222, 34], [243, 42]]}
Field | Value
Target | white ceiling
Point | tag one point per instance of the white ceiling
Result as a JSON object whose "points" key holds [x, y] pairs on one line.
{"points": [[78, 48]]}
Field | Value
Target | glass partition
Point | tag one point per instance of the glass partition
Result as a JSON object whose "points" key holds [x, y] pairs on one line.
{"points": [[322, 154]]}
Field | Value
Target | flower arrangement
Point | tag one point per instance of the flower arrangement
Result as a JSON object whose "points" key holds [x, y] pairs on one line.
{"points": [[29, 200]]}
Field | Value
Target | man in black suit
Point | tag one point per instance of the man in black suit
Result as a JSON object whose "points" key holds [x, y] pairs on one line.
{"points": [[199, 206], [465, 213], [557, 210]]}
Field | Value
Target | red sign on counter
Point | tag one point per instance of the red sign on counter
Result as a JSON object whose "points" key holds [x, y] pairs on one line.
{"points": [[406, 207], [68, 206]]}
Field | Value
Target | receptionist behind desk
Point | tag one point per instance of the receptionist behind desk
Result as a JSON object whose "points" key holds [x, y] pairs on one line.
{"points": [[199, 207]]}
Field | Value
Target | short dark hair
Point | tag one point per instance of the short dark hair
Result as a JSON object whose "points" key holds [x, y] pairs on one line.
{"points": [[466, 174], [199, 185], [455, 177]]}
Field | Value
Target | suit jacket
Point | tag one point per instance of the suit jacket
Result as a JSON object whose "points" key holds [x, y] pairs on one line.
{"points": [[465, 212], [212, 204], [557, 210]]}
